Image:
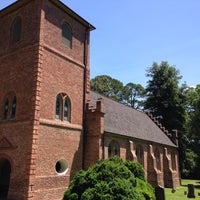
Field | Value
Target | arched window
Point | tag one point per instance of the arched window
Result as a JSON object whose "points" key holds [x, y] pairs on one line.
{"points": [[67, 35], [63, 107], [173, 160], [5, 109], [16, 30], [66, 109], [58, 106], [13, 108], [140, 154], [113, 149], [157, 156]]}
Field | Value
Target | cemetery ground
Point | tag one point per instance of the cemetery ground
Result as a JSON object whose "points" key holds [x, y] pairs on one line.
{"points": [[181, 191]]}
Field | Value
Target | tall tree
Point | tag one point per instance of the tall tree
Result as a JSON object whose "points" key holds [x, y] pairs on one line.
{"points": [[195, 113], [164, 97], [107, 86], [192, 95], [133, 95], [166, 101]]}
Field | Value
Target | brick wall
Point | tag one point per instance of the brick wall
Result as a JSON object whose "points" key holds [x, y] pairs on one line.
{"points": [[62, 71], [35, 70], [18, 72]]}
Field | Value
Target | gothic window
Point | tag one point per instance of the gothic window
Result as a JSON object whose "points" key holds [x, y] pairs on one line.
{"points": [[157, 157], [66, 109], [140, 154], [113, 149], [173, 160], [62, 110], [58, 106], [13, 108], [16, 30], [67, 35], [5, 109], [9, 106]]}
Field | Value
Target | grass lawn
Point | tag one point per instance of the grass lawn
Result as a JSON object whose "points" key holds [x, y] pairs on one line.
{"points": [[179, 193]]}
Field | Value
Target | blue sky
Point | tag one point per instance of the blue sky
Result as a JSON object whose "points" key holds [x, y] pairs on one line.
{"points": [[130, 35]]}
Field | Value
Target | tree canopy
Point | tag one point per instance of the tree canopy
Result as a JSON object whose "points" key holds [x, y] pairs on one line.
{"points": [[107, 86], [164, 97], [131, 94]]}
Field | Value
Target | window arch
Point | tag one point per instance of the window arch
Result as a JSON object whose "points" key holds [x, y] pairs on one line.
{"points": [[157, 156], [113, 149], [140, 154], [16, 30], [63, 107], [66, 35]]}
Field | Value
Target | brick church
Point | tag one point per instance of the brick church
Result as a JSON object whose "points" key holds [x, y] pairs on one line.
{"points": [[51, 124]]}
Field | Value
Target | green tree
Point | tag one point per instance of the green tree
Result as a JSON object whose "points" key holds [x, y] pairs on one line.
{"points": [[107, 86], [195, 112], [193, 97], [164, 98], [133, 95], [112, 179], [166, 101]]}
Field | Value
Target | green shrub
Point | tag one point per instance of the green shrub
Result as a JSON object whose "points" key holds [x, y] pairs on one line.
{"points": [[135, 168], [145, 189], [111, 179]]}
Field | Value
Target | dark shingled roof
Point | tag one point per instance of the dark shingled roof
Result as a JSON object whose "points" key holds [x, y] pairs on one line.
{"points": [[124, 120]]}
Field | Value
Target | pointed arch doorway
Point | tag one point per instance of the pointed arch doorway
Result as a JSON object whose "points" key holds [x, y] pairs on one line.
{"points": [[5, 170]]}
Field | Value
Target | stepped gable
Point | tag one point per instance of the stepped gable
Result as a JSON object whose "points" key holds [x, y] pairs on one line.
{"points": [[172, 136], [124, 120]]}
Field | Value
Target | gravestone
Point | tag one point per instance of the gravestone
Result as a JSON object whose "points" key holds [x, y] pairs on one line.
{"points": [[160, 193], [191, 191]]}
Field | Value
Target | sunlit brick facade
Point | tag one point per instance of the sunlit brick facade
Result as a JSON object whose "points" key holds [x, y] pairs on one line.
{"points": [[48, 131]]}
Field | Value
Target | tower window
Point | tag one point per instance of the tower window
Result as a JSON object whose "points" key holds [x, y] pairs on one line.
{"points": [[5, 109], [13, 108], [58, 107], [66, 109], [16, 30], [61, 166], [67, 35], [9, 106], [62, 110]]}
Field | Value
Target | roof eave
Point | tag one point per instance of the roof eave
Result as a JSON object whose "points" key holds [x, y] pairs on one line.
{"points": [[16, 5], [74, 15], [12, 7]]}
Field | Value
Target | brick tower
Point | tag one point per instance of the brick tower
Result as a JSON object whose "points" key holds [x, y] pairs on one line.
{"points": [[44, 81]]}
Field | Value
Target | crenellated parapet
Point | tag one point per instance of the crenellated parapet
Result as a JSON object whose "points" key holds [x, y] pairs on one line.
{"points": [[94, 131], [95, 117], [99, 107], [173, 136]]}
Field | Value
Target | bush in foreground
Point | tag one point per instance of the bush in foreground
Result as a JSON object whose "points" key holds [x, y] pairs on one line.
{"points": [[112, 179]]}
